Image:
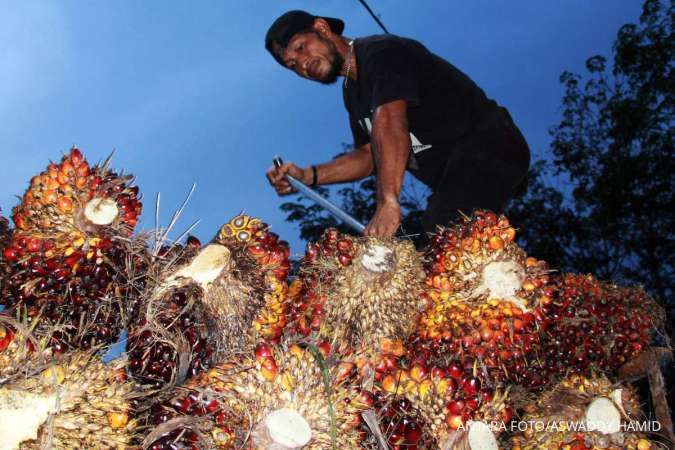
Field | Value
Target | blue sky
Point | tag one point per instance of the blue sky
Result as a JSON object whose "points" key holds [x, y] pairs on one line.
{"points": [[185, 92]]}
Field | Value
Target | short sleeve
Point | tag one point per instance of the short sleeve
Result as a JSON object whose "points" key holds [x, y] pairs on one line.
{"points": [[391, 74], [360, 135]]}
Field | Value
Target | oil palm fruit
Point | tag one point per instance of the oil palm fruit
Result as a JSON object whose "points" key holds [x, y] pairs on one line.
{"points": [[72, 401], [401, 426], [210, 302], [452, 403], [359, 294], [265, 399], [583, 413], [598, 326], [67, 258], [486, 300]]}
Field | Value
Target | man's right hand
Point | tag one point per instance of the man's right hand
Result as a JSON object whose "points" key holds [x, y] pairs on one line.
{"points": [[277, 177]]}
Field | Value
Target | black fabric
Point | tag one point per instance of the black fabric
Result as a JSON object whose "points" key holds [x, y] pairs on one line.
{"points": [[465, 147], [478, 177], [445, 107]]}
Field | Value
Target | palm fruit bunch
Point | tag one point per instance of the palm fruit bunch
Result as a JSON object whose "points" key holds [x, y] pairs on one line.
{"points": [[211, 301], [458, 410], [67, 258], [597, 326], [486, 300], [359, 294], [583, 413], [168, 341], [72, 401], [265, 399]]}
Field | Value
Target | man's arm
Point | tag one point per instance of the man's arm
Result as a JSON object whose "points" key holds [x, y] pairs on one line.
{"points": [[391, 147], [351, 166]]}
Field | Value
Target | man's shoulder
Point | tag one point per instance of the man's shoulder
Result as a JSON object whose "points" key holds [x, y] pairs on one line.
{"points": [[378, 42]]}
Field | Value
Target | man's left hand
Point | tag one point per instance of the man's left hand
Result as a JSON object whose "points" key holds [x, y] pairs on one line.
{"points": [[386, 220]]}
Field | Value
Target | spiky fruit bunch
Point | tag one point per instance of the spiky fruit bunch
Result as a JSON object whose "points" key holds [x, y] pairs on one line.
{"points": [[269, 399], [66, 263], [583, 413], [211, 301], [597, 326], [486, 300], [75, 401], [448, 399], [308, 292], [359, 293], [270, 256]]}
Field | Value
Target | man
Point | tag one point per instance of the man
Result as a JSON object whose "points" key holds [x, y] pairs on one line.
{"points": [[408, 108]]}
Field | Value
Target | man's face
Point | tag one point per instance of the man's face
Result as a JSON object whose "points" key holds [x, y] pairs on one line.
{"points": [[314, 57]]}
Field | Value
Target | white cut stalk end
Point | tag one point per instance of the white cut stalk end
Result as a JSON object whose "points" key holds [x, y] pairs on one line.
{"points": [[502, 280], [101, 211], [481, 436], [603, 416], [21, 416], [288, 428], [377, 258], [207, 265]]}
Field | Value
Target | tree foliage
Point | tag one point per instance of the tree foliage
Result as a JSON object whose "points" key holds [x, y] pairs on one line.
{"points": [[613, 150]]}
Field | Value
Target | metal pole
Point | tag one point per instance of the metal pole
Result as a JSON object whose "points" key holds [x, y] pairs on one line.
{"points": [[323, 202]]}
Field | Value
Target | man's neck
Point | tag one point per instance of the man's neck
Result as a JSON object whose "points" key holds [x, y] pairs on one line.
{"points": [[345, 47]]}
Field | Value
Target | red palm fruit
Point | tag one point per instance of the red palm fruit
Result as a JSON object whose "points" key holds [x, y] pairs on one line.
{"points": [[597, 326], [471, 385], [67, 248], [263, 351]]}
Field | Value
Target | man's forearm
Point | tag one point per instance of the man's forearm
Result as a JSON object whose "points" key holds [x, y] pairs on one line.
{"points": [[391, 147], [354, 165]]}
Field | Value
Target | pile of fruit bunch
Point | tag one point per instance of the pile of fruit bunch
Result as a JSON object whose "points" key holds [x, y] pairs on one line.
{"points": [[359, 294], [583, 413], [598, 326], [71, 400], [452, 402], [487, 301], [209, 302], [266, 399], [67, 261]]}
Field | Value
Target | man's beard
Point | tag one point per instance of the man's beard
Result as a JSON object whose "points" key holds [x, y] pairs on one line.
{"points": [[336, 63]]}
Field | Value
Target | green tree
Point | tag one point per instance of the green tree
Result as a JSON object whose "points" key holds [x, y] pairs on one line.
{"points": [[613, 152]]}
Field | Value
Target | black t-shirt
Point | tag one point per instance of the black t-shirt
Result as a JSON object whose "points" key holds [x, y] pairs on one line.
{"points": [[444, 104]]}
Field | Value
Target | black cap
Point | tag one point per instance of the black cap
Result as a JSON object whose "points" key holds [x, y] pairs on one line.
{"points": [[287, 25]]}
